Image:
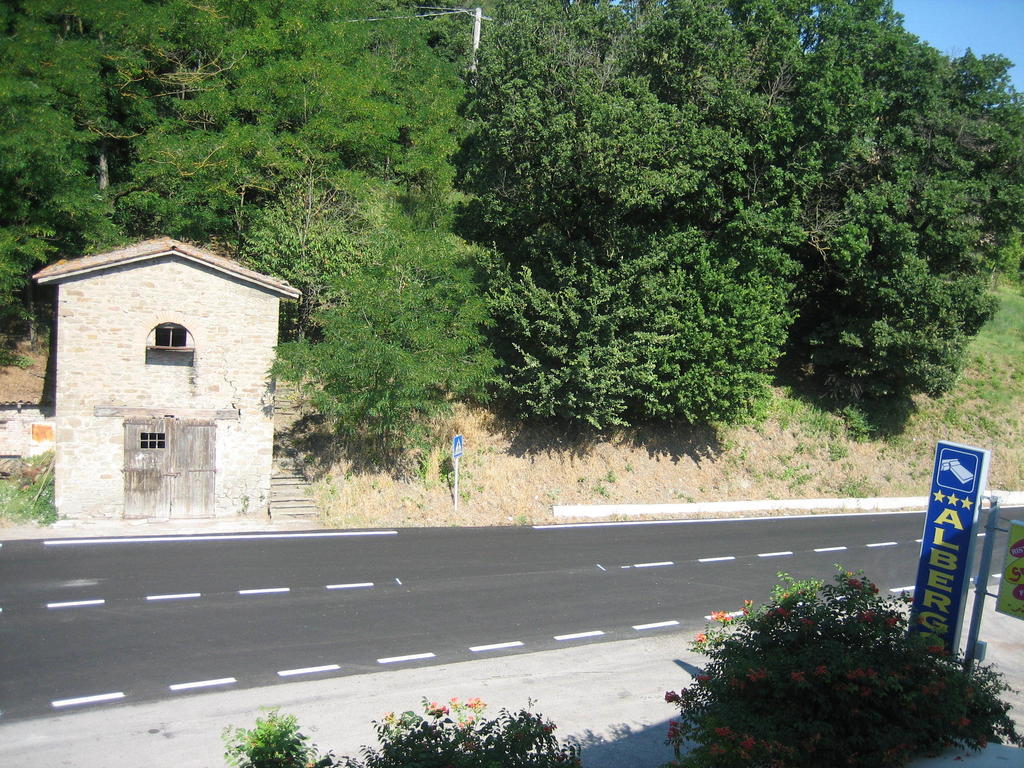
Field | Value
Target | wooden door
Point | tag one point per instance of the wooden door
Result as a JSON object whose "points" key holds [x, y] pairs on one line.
{"points": [[169, 467], [147, 462], [195, 458]]}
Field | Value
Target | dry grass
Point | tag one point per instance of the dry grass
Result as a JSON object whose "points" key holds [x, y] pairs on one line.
{"points": [[512, 474]]}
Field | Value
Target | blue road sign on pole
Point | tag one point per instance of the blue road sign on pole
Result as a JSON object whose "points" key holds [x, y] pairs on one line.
{"points": [[457, 446], [947, 544]]}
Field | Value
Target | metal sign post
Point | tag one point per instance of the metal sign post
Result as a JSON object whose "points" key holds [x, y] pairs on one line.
{"points": [[947, 544], [981, 583], [456, 455]]}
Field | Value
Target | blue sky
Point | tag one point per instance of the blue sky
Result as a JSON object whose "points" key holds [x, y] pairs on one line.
{"points": [[984, 26]]}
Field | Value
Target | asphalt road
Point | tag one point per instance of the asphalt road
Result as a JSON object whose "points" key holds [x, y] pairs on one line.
{"points": [[90, 623]]}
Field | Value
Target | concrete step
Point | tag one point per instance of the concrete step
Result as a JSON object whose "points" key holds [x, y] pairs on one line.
{"points": [[291, 496]]}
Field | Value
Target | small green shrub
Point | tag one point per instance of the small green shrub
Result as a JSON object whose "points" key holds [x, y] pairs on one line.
{"points": [[27, 495], [275, 742], [858, 427], [454, 735], [827, 675]]}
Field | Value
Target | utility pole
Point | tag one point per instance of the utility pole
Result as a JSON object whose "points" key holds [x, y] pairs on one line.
{"points": [[478, 15]]}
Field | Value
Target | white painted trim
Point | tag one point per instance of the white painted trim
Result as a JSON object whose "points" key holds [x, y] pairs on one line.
{"points": [[1007, 498]]}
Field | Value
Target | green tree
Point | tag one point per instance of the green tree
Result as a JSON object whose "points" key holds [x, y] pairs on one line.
{"points": [[628, 280], [400, 342]]}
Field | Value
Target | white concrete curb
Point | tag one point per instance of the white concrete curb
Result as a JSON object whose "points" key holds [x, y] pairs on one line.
{"points": [[764, 505]]}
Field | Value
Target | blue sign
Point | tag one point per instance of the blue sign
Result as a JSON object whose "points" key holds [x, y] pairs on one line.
{"points": [[947, 544], [457, 446]]}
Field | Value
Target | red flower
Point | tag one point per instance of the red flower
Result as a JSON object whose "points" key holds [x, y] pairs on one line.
{"points": [[671, 697], [821, 670], [725, 731], [701, 638], [807, 622], [716, 749], [797, 677], [867, 616], [962, 722], [855, 583], [755, 675], [748, 743], [703, 678], [721, 616], [892, 621]]}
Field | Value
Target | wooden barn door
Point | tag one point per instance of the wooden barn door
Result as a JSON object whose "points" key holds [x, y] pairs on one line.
{"points": [[195, 456], [147, 462], [169, 467]]}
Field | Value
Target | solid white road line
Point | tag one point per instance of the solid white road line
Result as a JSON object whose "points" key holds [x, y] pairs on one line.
{"points": [[307, 670], [831, 549], [884, 544], [410, 657], [350, 586], [202, 684], [267, 591], [215, 537], [75, 603], [774, 554], [580, 635], [182, 596], [87, 699], [495, 646], [656, 625], [653, 565], [716, 559]]}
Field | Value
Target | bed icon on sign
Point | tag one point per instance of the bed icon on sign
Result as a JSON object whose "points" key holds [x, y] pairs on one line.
{"points": [[957, 470]]}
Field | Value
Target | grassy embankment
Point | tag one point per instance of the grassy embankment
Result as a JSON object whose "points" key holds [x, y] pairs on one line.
{"points": [[512, 474]]}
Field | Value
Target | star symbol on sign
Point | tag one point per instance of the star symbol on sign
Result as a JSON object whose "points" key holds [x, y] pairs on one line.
{"points": [[952, 499], [937, 496], [966, 503]]}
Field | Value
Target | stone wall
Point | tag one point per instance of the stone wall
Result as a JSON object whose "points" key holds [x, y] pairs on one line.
{"points": [[25, 430], [105, 319]]}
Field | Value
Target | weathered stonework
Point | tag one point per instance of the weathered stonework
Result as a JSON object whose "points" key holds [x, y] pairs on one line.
{"points": [[107, 313]]}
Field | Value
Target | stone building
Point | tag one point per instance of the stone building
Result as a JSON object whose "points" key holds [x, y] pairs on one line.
{"points": [[164, 401]]}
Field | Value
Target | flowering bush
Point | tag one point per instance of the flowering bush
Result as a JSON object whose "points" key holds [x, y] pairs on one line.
{"points": [[826, 674], [455, 735]]}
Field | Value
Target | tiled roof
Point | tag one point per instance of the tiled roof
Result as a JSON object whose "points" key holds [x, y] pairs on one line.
{"points": [[156, 248]]}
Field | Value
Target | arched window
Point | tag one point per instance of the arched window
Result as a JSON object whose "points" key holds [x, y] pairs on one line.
{"points": [[170, 344]]}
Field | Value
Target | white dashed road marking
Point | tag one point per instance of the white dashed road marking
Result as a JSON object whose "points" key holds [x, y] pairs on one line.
{"points": [[267, 591], [774, 554], [182, 596], [716, 559], [75, 603], [656, 625], [580, 635], [410, 657], [87, 699], [884, 544], [202, 684], [308, 670], [831, 549], [653, 565], [901, 590], [360, 585], [496, 646]]}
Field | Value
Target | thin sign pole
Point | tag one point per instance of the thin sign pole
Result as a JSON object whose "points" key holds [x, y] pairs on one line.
{"points": [[456, 455], [981, 583]]}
